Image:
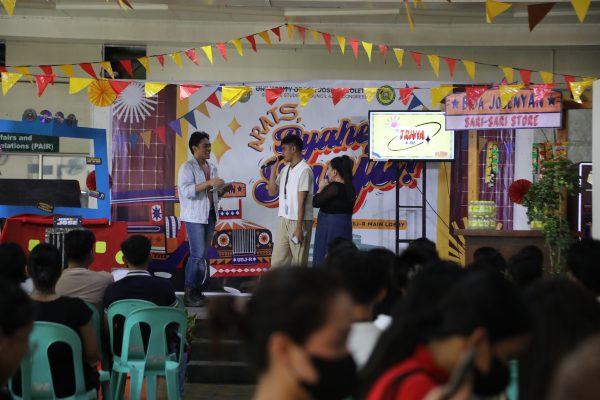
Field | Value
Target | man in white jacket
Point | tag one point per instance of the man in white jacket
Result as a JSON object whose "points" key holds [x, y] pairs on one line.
{"points": [[198, 211]]}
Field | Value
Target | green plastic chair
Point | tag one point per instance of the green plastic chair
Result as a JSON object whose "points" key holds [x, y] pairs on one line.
{"points": [[157, 360], [103, 354], [36, 381]]}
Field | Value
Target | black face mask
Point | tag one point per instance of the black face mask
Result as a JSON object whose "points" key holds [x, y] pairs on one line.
{"points": [[337, 378], [494, 382]]}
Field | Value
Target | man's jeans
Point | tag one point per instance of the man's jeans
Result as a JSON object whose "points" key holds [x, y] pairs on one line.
{"points": [[199, 237]]}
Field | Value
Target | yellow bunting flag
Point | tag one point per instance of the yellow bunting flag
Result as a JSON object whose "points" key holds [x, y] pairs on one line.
{"points": [[67, 69], [265, 36], [290, 28], [108, 68], [145, 61], [470, 67], [238, 46], [152, 88], [438, 94], [203, 109], [305, 95], [25, 71], [507, 92], [547, 77], [494, 8], [581, 8], [8, 81], [78, 84], [176, 58], [9, 6], [509, 73], [410, 20], [146, 136], [399, 56], [232, 94], [370, 93], [368, 49], [208, 51], [435, 63], [577, 88], [342, 42], [315, 35]]}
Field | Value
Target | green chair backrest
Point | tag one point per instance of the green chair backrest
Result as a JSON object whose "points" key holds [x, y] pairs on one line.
{"points": [[96, 324], [157, 319], [123, 308]]}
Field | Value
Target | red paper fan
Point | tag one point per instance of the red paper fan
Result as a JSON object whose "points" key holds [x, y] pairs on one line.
{"points": [[90, 181], [518, 189]]}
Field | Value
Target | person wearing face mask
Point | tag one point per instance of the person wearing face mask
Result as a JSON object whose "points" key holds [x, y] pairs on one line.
{"points": [[481, 319]]}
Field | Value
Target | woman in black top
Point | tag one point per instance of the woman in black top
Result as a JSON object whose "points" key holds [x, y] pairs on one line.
{"points": [[335, 200]]}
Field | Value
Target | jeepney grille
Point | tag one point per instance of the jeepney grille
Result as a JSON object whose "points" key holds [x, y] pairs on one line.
{"points": [[244, 241]]}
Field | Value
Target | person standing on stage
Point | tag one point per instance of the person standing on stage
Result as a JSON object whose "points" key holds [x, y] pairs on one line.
{"points": [[295, 185], [198, 205], [335, 200]]}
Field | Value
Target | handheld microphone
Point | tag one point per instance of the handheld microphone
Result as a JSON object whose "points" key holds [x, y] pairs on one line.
{"points": [[271, 162]]}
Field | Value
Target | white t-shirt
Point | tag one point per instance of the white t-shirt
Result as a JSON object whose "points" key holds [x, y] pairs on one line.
{"points": [[361, 341], [300, 179]]}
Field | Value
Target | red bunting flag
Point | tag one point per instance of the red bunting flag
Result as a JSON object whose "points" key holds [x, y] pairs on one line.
{"points": [[160, 133], [451, 64], [525, 76], [302, 32], [118, 86], [272, 94], [127, 66], [338, 93], [47, 69], [186, 91], [252, 41], [354, 44], [213, 99], [569, 79], [222, 49], [87, 67], [537, 12], [327, 40], [474, 93], [42, 82], [405, 94], [191, 54], [540, 91], [3, 69], [161, 60], [417, 58], [383, 50], [277, 33]]}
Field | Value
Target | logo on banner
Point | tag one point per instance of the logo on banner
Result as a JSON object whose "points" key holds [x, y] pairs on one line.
{"points": [[385, 95]]}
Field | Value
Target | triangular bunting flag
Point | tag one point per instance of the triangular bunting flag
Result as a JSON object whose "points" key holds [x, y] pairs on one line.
{"points": [[290, 29], [222, 49], [470, 67], [537, 12], [67, 69], [151, 89], [265, 36], [540, 91], [133, 138], [370, 93], [252, 41], [494, 8], [25, 72], [581, 8], [525, 76], [78, 84], [509, 73], [176, 57], [342, 42], [127, 66], [208, 51], [118, 86], [125, 4], [399, 53], [87, 67], [383, 51], [8, 81], [186, 91], [405, 94], [569, 79], [451, 62], [42, 82], [435, 64], [232, 94], [272, 94], [507, 92], [108, 68], [302, 32], [546, 76], [414, 103], [190, 118], [145, 61], [3, 69], [160, 134], [438, 94], [416, 58], [47, 69], [203, 109], [474, 93], [277, 33], [338, 93], [368, 49], [191, 54], [305, 95], [9, 6], [315, 35], [327, 40], [213, 99], [176, 126], [238, 46], [161, 61], [354, 45], [577, 89], [409, 17], [146, 136]]}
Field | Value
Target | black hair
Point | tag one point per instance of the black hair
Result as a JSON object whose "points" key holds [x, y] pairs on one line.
{"points": [[45, 267], [13, 261], [385, 257], [582, 260], [16, 308], [136, 250], [564, 315], [344, 165], [489, 257], [524, 268], [293, 140], [340, 244], [196, 138], [79, 243], [363, 279], [419, 253]]}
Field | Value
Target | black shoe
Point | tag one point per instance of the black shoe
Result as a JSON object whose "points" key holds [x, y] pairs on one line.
{"points": [[191, 298]]}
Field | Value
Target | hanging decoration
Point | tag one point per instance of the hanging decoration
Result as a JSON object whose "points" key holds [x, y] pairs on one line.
{"points": [[101, 94], [491, 165]]}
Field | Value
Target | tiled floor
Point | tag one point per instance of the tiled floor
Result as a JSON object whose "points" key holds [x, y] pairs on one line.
{"points": [[198, 391]]}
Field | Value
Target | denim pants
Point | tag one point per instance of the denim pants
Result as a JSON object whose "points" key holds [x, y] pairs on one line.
{"points": [[200, 238]]}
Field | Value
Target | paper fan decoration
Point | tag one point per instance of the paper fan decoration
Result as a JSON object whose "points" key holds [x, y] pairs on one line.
{"points": [[101, 94], [518, 189], [132, 104]]}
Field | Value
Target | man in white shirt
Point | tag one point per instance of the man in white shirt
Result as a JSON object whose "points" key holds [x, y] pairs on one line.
{"points": [[295, 186]]}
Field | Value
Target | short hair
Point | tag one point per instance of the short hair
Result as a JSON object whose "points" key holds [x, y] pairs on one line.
{"points": [[524, 268], [293, 140], [79, 243], [196, 138], [582, 260], [13, 262], [16, 308], [136, 249], [490, 257], [45, 266], [363, 279]]}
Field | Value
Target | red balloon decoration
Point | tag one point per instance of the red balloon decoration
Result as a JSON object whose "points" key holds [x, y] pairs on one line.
{"points": [[518, 189]]}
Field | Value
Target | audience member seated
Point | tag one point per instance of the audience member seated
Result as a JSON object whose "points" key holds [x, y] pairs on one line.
{"points": [[44, 267], [419, 253], [77, 280], [13, 266], [338, 247], [383, 309], [16, 322], [526, 266], [564, 314], [366, 282], [577, 377], [582, 261], [489, 258], [482, 315]]}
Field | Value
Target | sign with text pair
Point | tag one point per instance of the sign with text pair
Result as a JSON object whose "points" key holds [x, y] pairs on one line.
{"points": [[524, 110]]}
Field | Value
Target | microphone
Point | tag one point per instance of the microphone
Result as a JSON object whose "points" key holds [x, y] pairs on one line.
{"points": [[271, 162]]}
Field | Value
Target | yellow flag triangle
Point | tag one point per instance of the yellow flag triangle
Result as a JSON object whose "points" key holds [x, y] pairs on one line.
{"points": [[146, 135], [370, 93], [305, 95], [78, 84], [581, 8], [368, 49], [238, 46], [342, 42], [9, 6], [67, 69], [152, 88], [547, 77], [145, 61], [265, 36], [509, 73], [290, 29], [435, 63], [108, 68], [438, 94], [508, 91], [208, 51], [176, 58], [25, 71], [470, 67], [577, 89], [494, 8], [399, 56], [8, 81], [315, 35], [410, 20], [203, 109], [232, 94]]}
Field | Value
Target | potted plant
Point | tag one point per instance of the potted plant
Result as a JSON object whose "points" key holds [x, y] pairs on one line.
{"points": [[546, 202]]}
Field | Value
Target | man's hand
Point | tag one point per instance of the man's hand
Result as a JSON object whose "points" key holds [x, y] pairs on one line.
{"points": [[299, 233], [216, 182], [323, 182]]}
